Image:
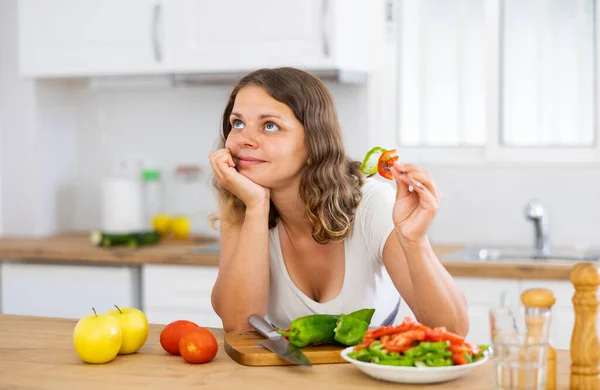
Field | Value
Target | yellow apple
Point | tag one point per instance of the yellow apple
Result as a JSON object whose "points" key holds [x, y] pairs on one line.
{"points": [[97, 338], [134, 327]]}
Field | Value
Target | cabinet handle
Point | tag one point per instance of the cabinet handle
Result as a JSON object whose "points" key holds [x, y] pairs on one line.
{"points": [[324, 33], [155, 38]]}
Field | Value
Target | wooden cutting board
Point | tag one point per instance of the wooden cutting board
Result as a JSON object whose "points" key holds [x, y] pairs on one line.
{"points": [[243, 348]]}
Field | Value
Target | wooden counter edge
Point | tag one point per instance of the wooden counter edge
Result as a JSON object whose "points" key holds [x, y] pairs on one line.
{"points": [[76, 249]]}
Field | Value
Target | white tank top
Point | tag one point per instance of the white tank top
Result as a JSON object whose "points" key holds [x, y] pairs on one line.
{"points": [[366, 282]]}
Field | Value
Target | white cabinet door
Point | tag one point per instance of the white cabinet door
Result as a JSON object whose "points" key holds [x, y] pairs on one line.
{"points": [[179, 293], [483, 294], [563, 315], [64, 291], [83, 37], [234, 35]]}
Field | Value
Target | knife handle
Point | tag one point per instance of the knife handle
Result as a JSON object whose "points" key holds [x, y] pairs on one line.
{"points": [[262, 326]]}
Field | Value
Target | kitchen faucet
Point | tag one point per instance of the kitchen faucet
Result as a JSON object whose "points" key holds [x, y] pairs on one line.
{"points": [[538, 215]]}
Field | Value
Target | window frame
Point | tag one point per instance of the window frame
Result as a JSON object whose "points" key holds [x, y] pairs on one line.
{"points": [[384, 87]]}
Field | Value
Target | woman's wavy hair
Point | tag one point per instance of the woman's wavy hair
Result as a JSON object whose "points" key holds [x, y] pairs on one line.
{"points": [[330, 183]]}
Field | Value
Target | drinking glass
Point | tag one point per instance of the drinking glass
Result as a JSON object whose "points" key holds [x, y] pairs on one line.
{"points": [[520, 347]]}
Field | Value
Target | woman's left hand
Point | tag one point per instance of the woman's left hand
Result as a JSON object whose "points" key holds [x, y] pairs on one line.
{"points": [[414, 210]]}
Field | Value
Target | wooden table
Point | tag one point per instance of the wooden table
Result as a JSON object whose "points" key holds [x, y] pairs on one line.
{"points": [[38, 353]]}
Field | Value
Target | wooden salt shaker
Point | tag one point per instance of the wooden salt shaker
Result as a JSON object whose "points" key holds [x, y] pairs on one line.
{"points": [[585, 352], [538, 301]]}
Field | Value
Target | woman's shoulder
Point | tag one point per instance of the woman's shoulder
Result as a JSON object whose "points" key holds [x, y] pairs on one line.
{"points": [[377, 197], [373, 223], [376, 189]]}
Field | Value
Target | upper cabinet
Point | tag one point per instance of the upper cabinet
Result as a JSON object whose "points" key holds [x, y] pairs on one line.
{"points": [[83, 37], [64, 38], [239, 34]]}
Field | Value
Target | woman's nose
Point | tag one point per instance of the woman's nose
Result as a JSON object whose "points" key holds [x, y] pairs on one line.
{"points": [[247, 137]]}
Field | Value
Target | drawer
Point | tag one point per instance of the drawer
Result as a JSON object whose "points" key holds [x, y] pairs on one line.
{"points": [[186, 287], [64, 290]]}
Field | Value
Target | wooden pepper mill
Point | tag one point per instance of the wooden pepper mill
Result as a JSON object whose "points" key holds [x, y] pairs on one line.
{"points": [[538, 302], [585, 352]]}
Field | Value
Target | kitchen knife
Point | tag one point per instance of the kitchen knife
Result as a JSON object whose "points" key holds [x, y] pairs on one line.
{"points": [[276, 343]]}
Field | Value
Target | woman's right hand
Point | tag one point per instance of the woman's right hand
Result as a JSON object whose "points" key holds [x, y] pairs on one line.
{"points": [[248, 191]]}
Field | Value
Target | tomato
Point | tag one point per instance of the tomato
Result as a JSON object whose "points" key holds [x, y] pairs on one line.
{"points": [[441, 334], [198, 346], [385, 163], [459, 358], [466, 348], [403, 341], [171, 334]]}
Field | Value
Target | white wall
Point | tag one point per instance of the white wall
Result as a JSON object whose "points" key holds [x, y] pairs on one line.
{"points": [[38, 150], [60, 139], [485, 204], [482, 204], [1, 217], [165, 128], [18, 145]]}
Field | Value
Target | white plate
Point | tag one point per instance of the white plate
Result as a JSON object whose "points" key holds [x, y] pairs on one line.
{"points": [[412, 374]]}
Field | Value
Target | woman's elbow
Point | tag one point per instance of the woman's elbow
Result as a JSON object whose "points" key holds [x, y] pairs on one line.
{"points": [[234, 326], [462, 325]]}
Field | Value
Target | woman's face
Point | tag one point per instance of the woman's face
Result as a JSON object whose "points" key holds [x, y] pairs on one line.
{"points": [[266, 138]]}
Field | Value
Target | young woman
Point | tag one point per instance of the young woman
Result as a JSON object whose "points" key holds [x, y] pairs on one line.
{"points": [[303, 231]]}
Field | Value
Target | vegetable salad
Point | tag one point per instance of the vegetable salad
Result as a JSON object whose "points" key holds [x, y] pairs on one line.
{"points": [[413, 344]]}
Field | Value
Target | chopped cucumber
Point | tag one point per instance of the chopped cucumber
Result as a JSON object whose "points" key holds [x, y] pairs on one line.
{"points": [[132, 240]]}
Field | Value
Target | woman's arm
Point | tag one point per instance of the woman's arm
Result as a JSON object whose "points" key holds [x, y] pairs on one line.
{"points": [[422, 280], [425, 285], [242, 286]]}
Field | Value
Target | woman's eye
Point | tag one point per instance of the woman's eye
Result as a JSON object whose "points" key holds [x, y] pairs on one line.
{"points": [[238, 124], [270, 126]]}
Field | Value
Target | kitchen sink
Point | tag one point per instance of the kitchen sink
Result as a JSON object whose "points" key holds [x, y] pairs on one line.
{"points": [[512, 253]]}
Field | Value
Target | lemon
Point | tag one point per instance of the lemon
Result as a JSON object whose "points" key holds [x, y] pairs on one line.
{"points": [[180, 227], [161, 223]]}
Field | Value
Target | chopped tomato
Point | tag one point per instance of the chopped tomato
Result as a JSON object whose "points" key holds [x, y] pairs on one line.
{"points": [[459, 358], [385, 163], [441, 334], [464, 348], [402, 341], [360, 346]]}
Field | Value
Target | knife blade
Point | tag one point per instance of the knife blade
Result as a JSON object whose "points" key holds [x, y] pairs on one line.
{"points": [[276, 343]]}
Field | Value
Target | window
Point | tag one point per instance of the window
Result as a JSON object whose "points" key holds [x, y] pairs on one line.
{"points": [[496, 79], [442, 75], [547, 72]]}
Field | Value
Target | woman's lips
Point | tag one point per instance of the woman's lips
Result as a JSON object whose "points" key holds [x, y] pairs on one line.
{"points": [[248, 161]]}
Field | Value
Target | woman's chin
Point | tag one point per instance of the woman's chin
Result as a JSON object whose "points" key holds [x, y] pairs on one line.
{"points": [[255, 177]]}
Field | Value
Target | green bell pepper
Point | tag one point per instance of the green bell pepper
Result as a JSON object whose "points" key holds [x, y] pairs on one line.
{"points": [[350, 330], [363, 314], [369, 167], [311, 329]]}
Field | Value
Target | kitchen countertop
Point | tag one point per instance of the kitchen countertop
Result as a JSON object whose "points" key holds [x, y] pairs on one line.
{"points": [[38, 353], [204, 251]]}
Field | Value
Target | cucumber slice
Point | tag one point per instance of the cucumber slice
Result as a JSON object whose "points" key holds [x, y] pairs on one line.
{"points": [[132, 240]]}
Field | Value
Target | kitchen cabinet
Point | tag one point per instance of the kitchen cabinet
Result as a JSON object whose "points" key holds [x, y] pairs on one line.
{"points": [[65, 290], [233, 35], [172, 293], [79, 38], [111, 37], [483, 294]]}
